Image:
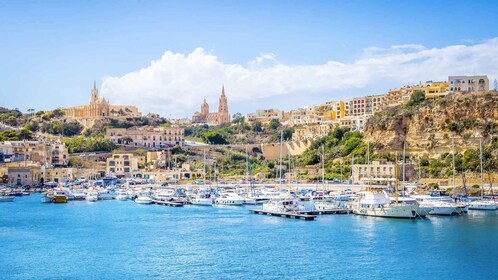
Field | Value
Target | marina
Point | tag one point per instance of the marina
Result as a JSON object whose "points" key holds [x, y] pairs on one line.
{"points": [[149, 241]]}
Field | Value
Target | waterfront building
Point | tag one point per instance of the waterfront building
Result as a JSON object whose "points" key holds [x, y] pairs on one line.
{"points": [[217, 118], [147, 136], [265, 116], [24, 175], [99, 107], [44, 152], [478, 83], [380, 172], [122, 165]]}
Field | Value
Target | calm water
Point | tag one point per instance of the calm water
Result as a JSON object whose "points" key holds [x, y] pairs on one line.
{"points": [[114, 239]]}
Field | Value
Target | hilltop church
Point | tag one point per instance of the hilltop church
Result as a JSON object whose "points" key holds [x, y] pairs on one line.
{"points": [[100, 107], [220, 117]]}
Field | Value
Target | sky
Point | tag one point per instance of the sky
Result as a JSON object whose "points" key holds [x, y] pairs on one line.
{"points": [[166, 56]]}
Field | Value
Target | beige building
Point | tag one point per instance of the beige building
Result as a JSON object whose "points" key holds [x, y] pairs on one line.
{"points": [[381, 172], [265, 116], [217, 118], [100, 108], [58, 175], [468, 83], [432, 90], [147, 136], [122, 165], [360, 106], [24, 175], [44, 152]]}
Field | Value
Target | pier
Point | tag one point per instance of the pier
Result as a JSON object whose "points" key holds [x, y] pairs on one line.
{"points": [[168, 203], [327, 212], [289, 215]]}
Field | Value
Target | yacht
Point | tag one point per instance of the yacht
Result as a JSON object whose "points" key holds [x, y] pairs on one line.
{"points": [[164, 195], [122, 196], [204, 199], [378, 204], [6, 198], [437, 203], [46, 198], [92, 196], [284, 206], [230, 199], [143, 199], [483, 205]]}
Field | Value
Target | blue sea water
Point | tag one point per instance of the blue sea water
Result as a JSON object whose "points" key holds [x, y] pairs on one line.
{"points": [[115, 239]]}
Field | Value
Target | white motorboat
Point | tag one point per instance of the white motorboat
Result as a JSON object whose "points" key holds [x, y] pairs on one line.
{"points": [[143, 199], [92, 197], [230, 199], [483, 205], [438, 204], [164, 195], [284, 206], [7, 198], [46, 198], [203, 199], [378, 204], [122, 196]]}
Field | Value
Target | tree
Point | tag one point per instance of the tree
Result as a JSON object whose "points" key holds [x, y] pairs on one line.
{"points": [[237, 118], [274, 124], [214, 137], [72, 128], [416, 99], [256, 126]]}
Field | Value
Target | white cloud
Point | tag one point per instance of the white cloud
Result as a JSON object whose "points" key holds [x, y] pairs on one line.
{"points": [[176, 83]]}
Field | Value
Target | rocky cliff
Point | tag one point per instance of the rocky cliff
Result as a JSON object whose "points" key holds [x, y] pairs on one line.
{"points": [[430, 127]]}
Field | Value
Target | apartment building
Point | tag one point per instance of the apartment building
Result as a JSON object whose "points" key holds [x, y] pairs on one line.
{"points": [[147, 136], [122, 165], [478, 83]]}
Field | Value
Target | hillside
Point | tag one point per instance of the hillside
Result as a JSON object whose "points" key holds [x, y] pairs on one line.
{"points": [[429, 126]]}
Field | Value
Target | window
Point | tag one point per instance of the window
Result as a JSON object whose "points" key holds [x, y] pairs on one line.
{"points": [[127, 163], [127, 169], [112, 163], [111, 169]]}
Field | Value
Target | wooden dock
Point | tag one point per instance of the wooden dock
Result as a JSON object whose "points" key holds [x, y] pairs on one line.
{"points": [[168, 203], [327, 212], [289, 215]]}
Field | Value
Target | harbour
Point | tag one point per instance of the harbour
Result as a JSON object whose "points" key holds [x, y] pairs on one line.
{"points": [[149, 241]]}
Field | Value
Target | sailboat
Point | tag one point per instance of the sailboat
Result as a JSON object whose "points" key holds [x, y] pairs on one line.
{"points": [[482, 203]]}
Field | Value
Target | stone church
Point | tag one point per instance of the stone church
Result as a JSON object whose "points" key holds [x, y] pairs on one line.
{"points": [[100, 108], [217, 118]]}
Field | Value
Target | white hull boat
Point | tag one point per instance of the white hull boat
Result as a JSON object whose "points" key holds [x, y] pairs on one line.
{"points": [[7, 198], [202, 201], [143, 200]]}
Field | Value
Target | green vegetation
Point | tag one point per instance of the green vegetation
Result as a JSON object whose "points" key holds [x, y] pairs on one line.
{"points": [[89, 144], [12, 135], [416, 99]]}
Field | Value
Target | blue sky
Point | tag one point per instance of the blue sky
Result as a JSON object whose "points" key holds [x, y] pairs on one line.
{"points": [[51, 51]]}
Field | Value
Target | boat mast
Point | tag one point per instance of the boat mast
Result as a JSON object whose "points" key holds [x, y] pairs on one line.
{"points": [[480, 152], [396, 187], [280, 160], [323, 166], [453, 154], [369, 168], [403, 162], [204, 166]]}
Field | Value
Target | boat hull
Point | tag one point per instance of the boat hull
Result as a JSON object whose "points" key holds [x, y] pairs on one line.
{"points": [[404, 211], [7, 198]]}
